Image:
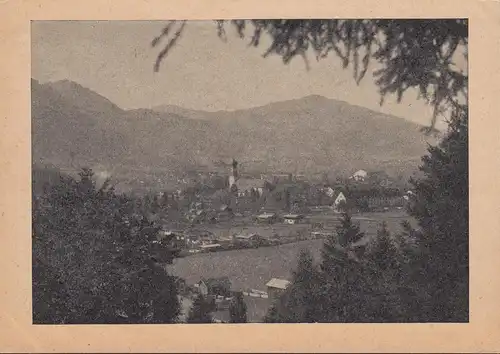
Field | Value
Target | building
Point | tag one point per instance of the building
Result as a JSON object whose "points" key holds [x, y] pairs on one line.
{"points": [[267, 218], [359, 176], [384, 203], [233, 177], [252, 240], [211, 247], [339, 200], [214, 287], [247, 187], [177, 237], [329, 191], [249, 237], [293, 219], [321, 234], [276, 287]]}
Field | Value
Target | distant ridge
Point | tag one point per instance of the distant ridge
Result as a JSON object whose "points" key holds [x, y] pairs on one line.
{"points": [[75, 126]]}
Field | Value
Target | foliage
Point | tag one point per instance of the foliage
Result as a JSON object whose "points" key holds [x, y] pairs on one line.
{"points": [[238, 309], [96, 259], [384, 253], [441, 207], [200, 311], [344, 289], [298, 304], [412, 54], [416, 276]]}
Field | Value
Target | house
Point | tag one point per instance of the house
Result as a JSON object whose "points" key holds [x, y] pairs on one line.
{"points": [[359, 176], [247, 237], [329, 191], [214, 287], [339, 199], [176, 237], [282, 178], [276, 287], [383, 203], [250, 239], [321, 234], [211, 247], [247, 187], [197, 236], [225, 213], [266, 217], [293, 219]]}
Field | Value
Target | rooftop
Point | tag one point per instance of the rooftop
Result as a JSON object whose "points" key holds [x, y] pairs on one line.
{"points": [[245, 236], [278, 283], [293, 216], [245, 184], [266, 215], [213, 245]]}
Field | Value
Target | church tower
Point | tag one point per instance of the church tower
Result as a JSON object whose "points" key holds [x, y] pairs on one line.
{"points": [[234, 174]]}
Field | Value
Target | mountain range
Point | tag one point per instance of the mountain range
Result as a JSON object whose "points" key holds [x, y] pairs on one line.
{"points": [[73, 126]]}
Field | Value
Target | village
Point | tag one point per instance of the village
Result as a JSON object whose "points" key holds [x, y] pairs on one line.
{"points": [[269, 212], [208, 184]]}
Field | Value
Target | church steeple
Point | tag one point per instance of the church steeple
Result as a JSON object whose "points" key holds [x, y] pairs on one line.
{"points": [[235, 169], [234, 174]]}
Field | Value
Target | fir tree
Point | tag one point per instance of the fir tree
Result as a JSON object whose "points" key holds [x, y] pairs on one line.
{"points": [[238, 309], [201, 311], [304, 288], [384, 254], [299, 302], [337, 246], [441, 208], [110, 272]]}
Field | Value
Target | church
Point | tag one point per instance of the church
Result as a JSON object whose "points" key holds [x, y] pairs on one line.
{"points": [[245, 187]]}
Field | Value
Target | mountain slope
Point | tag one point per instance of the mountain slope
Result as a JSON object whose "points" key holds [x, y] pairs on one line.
{"points": [[74, 126]]}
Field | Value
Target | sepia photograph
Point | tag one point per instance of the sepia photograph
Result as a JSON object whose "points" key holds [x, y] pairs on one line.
{"points": [[250, 171]]}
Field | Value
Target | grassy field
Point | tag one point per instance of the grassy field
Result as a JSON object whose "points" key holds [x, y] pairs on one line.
{"points": [[253, 268]]}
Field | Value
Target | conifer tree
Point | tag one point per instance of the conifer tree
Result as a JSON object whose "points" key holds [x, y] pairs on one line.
{"points": [[238, 309], [299, 303], [384, 254], [441, 207], [337, 246], [110, 272], [201, 311]]}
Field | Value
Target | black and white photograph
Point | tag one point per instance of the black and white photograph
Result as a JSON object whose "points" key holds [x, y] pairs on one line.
{"points": [[250, 171]]}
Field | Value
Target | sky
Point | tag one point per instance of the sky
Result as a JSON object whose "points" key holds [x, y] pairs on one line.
{"points": [[115, 59]]}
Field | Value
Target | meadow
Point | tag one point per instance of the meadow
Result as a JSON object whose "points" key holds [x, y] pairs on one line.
{"points": [[253, 268]]}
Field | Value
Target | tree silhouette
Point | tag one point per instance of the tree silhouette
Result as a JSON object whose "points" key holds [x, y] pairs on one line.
{"points": [[384, 253], [238, 309], [201, 311], [441, 207], [418, 54], [97, 260]]}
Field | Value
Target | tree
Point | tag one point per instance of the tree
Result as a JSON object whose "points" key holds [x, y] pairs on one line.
{"points": [[441, 208], [95, 260], [384, 254], [238, 309], [336, 246], [299, 302], [200, 312], [346, 291], [412, 54]]}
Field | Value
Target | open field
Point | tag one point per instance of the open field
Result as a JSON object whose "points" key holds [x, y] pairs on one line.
{"points": [[253, 268], [329, 220]]}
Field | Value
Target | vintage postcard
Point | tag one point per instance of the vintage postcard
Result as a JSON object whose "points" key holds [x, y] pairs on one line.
{"points": [[204, 181]]}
